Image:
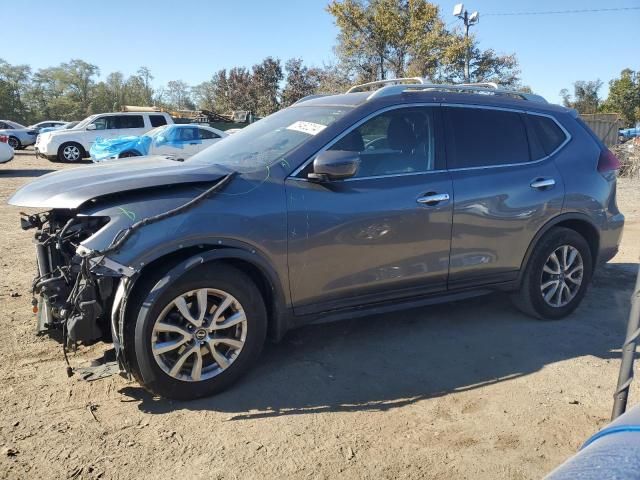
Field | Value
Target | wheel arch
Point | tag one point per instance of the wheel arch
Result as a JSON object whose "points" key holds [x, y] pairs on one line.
{"points": [[179, 262], [577, 222], [17, 139], [83, 151], [130, 150]]}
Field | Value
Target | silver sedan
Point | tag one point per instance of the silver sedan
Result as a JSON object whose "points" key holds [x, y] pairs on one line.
{"points": [[19, 135]]}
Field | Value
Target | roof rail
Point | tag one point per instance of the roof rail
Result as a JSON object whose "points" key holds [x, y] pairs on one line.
{"points": [[489, 88], [493, 85], [364, 86]]}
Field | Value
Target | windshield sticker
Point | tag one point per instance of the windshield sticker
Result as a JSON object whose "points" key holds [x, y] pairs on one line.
{"points": [[309, 128]]}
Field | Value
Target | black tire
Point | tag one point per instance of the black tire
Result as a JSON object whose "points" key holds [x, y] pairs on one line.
{"points": [[530, 299], [129, 153], [151, 300], [65, 156], [14, 142]]}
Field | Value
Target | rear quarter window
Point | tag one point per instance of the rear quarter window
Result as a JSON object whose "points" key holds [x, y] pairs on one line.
{"points": [[478, 137], [157, 120], [546, 132]]}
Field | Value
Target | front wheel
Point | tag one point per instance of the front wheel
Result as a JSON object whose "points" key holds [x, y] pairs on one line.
{"points": [[70, 152], [557, 275], [198, 335]]}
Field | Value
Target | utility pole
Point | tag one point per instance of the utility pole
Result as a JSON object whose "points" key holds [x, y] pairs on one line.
{"points": [[469, 20]]}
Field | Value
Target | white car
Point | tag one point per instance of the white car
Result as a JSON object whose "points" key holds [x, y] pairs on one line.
{"points": [[179, 141], [6, 152], [74, 144]]}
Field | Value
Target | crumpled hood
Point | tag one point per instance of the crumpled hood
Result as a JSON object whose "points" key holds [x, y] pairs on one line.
{"points": [[68, 189]]}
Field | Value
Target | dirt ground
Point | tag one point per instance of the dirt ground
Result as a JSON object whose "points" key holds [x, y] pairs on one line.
{"points": [[471, 389]]}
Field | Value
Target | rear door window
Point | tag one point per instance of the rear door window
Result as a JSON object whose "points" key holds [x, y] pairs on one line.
{"points": [[157, 120], [188, 134], [207, 134], [129, 121], [479, 137]]}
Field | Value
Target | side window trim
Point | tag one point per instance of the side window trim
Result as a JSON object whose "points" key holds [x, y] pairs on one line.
{"points": [[515, 110], [437, 133]]}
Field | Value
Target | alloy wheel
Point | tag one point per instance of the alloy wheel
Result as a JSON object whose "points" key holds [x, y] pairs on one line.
{"points": [[71, 153], [199, 334], [562, 276], [13, 142]]}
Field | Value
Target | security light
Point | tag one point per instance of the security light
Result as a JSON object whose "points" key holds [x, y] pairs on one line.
{"points": [[474, 17], [458, 9]]}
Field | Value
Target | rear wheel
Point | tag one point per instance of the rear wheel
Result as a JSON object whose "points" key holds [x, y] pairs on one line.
{"points": [[70, 152], [197, 336], [557, 276], [14, 143]]}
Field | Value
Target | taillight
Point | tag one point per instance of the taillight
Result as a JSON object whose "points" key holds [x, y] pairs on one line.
{"points": [[608, 162], [4, 139]]}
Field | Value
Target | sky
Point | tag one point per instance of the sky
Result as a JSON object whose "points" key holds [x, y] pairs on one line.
{"points": [[191, 39]]}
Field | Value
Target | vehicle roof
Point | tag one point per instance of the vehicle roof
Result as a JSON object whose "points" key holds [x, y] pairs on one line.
{"points": [[433, 96], [130, 113], [15, 124]]}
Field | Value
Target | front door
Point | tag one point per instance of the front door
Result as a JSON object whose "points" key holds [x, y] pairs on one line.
{"points": [[382, 234]]}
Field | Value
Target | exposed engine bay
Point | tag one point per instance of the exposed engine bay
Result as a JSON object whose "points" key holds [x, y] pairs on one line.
{"points": [[78, 291], [72, 293]]}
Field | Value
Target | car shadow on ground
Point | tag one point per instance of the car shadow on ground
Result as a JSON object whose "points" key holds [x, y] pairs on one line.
{"points": [[27, 172], [387, 361]]}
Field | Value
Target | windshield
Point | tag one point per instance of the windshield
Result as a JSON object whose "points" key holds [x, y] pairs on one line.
{"points": [[267, 141], [85, 122], [15, 124], [156, 131]]}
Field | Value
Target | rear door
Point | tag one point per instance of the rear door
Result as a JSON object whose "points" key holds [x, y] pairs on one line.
{"points": [[129, 125], [504, 191], [207, 138]]}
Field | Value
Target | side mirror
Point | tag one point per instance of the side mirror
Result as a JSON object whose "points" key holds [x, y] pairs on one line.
{"points": [[91, 126], [334, 165]]}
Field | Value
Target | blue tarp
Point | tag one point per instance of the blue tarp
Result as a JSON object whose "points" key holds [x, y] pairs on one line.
{"points": [[105, 148], [175, 136]]}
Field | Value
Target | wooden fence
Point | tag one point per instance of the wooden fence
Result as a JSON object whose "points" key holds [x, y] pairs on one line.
{"points": [[604, 125]]}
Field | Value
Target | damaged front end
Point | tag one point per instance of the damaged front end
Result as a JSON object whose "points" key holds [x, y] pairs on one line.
{"points": [[75, 288], [80, 289]]}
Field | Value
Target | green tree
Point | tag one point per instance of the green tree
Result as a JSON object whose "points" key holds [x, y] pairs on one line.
{"points": [[265, 86], [585, 97], [624, 96], [396, 38], [179, 95], [79, 77], [299, 83], [204, 95], [14, 83]]}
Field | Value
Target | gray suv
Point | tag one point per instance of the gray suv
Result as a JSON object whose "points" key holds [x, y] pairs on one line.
{"points": [[386, 197]]}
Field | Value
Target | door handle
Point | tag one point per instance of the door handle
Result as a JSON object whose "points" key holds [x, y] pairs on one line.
{"points": [[543, 183], [433, 198]]}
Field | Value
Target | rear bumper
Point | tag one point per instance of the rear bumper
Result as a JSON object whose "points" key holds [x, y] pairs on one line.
{"points": [[610, 238]]}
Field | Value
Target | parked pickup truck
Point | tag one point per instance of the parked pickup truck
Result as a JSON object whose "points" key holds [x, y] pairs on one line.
{"points": [[74, 144]]}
